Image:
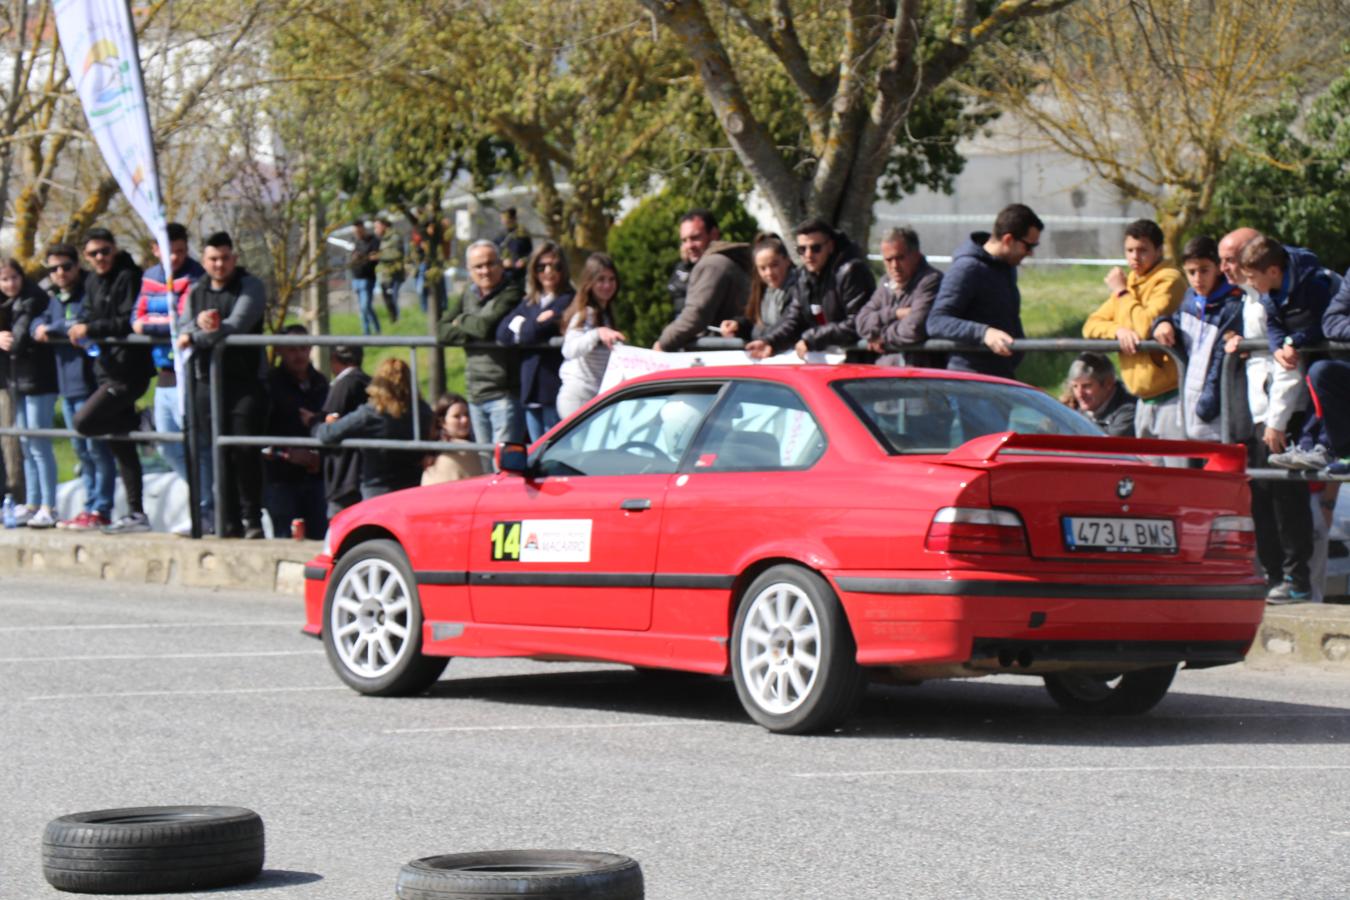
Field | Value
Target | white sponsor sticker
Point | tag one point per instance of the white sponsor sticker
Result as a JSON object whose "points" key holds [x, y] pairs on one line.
{"points": [[542, 540]]}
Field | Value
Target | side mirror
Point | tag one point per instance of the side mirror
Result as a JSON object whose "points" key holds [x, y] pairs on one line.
{"points": [[513, 458]]}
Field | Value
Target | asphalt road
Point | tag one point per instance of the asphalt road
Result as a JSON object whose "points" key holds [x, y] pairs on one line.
{"points": [[113, 696]]}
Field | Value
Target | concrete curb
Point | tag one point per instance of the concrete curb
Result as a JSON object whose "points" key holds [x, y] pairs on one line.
{"points": [[1305, 632], [1302, 632], [156, 558]]}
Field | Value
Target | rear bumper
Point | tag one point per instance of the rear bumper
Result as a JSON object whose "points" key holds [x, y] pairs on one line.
{"points": [[993, 623]]}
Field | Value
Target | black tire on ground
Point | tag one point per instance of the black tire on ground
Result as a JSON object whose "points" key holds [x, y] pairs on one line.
{"points": [[361, 633], [504, 874], [1106, 695], [152, 849], [797, 673]]}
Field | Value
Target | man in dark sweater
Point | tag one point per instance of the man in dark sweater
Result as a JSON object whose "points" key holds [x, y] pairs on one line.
{"points": [[346, 393], [229, 301], [292, 485], [123, 373], [979, 302], [835, 285]]}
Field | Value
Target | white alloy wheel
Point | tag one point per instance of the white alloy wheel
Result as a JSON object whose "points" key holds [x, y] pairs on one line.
{"points": [[371, 618], [780, 648]]}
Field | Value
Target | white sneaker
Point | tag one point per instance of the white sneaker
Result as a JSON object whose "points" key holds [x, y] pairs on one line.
{"points": [[129, 524], [23, 513], [42, 518]]}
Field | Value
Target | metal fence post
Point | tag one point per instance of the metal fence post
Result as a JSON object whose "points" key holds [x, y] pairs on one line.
{"points": [[188, 394], [217, 390]]}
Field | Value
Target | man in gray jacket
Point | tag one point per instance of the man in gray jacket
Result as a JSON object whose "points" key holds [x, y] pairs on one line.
{"points": [[897, 313], [491, 374], [229, 301], [719, 286]]}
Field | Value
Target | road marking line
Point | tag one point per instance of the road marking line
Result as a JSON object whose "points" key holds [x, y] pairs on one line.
{"points": [[578, 726], [1071, 770], [147, 656], [19, 629], [203, 693]]}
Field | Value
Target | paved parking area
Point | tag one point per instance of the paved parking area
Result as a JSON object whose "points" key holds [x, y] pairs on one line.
{"points": [[113, 696]]}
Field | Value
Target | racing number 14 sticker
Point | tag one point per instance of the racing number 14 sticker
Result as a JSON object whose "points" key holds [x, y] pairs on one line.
{"points": [[542, 540]]}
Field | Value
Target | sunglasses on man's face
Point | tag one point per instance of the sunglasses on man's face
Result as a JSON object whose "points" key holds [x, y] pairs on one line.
{"points": [[804, 249], [99, 251], [61, 267]]}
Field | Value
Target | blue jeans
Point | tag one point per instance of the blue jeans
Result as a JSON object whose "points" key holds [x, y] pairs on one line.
{"points": [[168, 419], [539, 419], [389, 291], [420, 284], [39, 460], [98, 467], [496, 420], [365, 303]]}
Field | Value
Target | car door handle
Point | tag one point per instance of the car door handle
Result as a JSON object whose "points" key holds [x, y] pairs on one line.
{"points": [[636, 504]]}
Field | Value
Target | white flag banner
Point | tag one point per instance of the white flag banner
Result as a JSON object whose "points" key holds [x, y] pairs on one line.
{"points": [[98, 38], [627, 362]]}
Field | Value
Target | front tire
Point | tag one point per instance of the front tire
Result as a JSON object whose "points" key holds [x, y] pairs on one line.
{"points": [[372, 623], [793, 655], [1110, 695]]}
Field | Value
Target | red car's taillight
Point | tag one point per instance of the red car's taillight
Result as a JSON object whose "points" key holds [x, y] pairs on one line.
{"points": [[958, 529], [1232, 536]]}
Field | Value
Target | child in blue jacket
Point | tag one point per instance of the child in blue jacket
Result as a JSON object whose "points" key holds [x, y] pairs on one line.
{"points": [[1212, 306]]}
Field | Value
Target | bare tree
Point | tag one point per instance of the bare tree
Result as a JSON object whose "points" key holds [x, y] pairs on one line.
{"points": [[1150, 93]]}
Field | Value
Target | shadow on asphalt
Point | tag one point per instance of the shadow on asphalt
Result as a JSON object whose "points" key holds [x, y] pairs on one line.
{"points": [[948, 710], [269, 880]]}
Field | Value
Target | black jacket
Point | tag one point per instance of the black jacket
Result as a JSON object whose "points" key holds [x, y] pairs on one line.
{"points": [[342, 468], [288, 397], [241, 303], [109, 302], [32, 365], [382, 471], [824, 306]]}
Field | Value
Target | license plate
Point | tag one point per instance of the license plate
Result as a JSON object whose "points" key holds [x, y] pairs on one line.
{"points": [[1109, 535]]}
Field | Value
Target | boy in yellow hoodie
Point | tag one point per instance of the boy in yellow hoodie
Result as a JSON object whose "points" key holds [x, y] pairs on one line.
{"points": [[1151, 290]]}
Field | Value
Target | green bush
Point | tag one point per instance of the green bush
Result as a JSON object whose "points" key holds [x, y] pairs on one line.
{"points": [[646, 246]]}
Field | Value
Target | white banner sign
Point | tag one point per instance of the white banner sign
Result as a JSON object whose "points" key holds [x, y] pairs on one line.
{"points": [[99, 41], [629, 362]]}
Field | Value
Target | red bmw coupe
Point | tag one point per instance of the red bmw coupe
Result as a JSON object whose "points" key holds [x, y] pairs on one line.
{"points": [[800, 526]]}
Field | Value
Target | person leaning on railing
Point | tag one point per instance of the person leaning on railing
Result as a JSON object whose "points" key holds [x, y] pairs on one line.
{"points": [[387, 415]]}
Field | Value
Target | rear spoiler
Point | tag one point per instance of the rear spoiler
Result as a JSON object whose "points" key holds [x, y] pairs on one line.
{"points": [[982, 451]]}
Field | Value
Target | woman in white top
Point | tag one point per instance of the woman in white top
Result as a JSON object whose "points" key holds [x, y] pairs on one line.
{"points": [[589, 335]]}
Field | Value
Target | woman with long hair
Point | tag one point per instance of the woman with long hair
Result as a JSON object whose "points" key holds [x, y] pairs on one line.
{"points": [[450, 423], [386, 415], [770, 289], [30, 367], [590, 334], [548, 291]]}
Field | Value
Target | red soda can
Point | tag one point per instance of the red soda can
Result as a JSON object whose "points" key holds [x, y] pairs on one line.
{"points": [[298, 529]]}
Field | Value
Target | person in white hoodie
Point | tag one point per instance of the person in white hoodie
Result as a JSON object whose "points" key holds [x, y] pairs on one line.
{"points": [[590, 334], [1281, 509]]}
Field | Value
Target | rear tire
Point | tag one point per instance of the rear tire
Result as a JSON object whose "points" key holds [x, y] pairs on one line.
{"points": [[372, 623], [792, 654], [152, 849], [503, 874], [1104, 695]]}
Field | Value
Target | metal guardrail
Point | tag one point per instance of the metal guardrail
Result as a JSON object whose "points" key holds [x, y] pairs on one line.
{"points": [[219, 442]]}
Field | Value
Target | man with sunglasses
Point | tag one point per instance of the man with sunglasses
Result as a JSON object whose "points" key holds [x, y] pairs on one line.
{"points": [[76, 382], [835, 285], [979, 301], [122, 372]]}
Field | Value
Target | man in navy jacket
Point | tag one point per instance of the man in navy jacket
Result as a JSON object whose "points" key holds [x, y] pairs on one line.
{"points": [[979, 302], [1330, 382]]}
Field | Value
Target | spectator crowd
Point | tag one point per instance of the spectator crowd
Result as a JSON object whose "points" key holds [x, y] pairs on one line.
{"points": [[519, 381]]}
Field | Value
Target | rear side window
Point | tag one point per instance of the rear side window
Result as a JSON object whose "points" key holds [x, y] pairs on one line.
{"points": [[936, 415], [760, 427]]}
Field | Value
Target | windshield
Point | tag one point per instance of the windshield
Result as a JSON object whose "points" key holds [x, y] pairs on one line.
{"points": [[936, 415]]}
